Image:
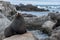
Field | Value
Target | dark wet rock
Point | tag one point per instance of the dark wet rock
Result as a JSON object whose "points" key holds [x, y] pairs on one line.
{"points": [[54, 16], [28, 7], [57, 12], [55, 34], [28, 15], [56, 30]]}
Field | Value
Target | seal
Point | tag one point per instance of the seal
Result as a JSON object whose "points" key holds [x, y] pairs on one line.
{"points": [[16, 27]]}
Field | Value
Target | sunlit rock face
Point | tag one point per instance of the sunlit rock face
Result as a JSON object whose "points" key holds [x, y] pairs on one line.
{"points": [[4, 22], [6, 8], [26, 36], [48, 24]]}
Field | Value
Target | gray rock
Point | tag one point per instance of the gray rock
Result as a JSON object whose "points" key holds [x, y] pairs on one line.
{"points": [[4, 22], [54, 16], [47, 27], [26, 36], [48, 24], [35, 23], [7, 9], [55, 34]]}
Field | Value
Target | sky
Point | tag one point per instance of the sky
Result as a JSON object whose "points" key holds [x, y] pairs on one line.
{"points": [[35, 2]]}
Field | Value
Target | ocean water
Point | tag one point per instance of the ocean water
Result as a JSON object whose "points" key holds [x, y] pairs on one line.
{"points": [[34, 13], [52, 8]]}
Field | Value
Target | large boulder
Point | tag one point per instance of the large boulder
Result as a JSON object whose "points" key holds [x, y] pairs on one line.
{"points": [[4, 22], [47, 27], [55, 17], [55, 34], [7, 9], [26, 36], [48, 24]]}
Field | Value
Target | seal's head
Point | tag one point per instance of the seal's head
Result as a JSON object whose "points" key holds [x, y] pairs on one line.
{"points": [[18, 15]]}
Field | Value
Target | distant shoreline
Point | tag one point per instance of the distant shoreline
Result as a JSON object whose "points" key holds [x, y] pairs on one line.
{"points": [[38, 5]]}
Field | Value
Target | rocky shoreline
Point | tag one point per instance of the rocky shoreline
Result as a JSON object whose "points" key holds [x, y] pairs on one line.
{"points": [[49, 24], [30, 7]]}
